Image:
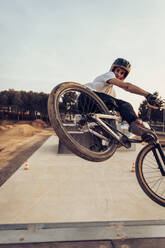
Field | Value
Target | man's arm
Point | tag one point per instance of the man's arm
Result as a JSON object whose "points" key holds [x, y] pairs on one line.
{"points": [[128, 87]]}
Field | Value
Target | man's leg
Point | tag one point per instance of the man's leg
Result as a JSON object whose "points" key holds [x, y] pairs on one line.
{"points": [[124, 108], [127, 113], [136, 125], [108, 100]]}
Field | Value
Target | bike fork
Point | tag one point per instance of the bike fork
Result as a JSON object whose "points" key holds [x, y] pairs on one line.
{"points": [[160, 158]]}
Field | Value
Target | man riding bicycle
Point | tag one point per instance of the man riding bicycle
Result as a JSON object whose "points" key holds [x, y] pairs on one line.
{"points": [[103, 87]]}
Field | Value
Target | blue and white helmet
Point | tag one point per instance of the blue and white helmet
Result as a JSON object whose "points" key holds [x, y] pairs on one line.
{"points": [[121, 63]]}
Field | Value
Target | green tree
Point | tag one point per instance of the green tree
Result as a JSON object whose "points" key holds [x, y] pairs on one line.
{"points": [[146, 113], [41, 104], [3, 98], [68, 102], [19, 102]]}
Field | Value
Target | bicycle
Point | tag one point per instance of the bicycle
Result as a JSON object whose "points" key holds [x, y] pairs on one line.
{"points": [[77, 113]]}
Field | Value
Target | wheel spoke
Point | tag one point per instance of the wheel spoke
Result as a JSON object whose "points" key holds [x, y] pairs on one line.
{"points": [[72, 105], [149, 175]]}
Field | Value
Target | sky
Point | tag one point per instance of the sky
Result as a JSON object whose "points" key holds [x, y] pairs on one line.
{"points": [[46, 42]]}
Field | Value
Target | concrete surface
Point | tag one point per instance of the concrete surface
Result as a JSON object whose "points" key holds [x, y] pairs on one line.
{"points": [[66, 188], [84, 234]]}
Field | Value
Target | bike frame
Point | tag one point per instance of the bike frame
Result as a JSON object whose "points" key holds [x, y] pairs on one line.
{"points": [[117, 134], [157, 151]]}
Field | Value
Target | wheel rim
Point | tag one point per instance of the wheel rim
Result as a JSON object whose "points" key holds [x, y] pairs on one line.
{"points": [[74, 112]]}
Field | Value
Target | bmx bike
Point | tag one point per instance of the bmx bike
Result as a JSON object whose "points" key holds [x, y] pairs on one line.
{"points": [[77, 113]]}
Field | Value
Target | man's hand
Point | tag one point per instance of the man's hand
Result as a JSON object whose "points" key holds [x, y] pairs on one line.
{"points": [[153, 101]]}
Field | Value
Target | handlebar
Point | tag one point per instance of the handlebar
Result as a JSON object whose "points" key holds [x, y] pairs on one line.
{"points": [[153, 106]]}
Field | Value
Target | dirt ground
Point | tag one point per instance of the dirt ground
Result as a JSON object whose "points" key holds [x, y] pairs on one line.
{"points": [[18, 141]]}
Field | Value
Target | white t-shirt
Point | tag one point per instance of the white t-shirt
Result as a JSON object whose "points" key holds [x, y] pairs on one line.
{"points": [[100, 84]]}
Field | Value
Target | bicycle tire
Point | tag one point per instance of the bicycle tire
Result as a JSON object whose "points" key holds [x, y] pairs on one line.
{"points": [[56, 97], [149, 176]]}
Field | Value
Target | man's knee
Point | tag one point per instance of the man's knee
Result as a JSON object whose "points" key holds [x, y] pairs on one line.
{"points": [[127, 112], [125, 106]]}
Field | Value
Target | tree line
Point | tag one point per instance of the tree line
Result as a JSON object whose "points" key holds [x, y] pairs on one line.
{"points": [[22, 105]]}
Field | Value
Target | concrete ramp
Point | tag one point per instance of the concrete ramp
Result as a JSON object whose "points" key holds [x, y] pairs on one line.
{"points": [[65, 198], [84, 139]]}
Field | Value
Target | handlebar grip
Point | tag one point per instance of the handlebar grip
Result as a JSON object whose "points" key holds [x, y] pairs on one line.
{"points": [[152, 106]]}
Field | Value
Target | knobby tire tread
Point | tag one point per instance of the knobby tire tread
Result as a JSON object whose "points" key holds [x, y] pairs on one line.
{"points": [[56, 123], [139, 163]]}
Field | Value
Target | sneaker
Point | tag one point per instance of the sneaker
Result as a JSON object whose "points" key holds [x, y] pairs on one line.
{"points": [[137, 127]]}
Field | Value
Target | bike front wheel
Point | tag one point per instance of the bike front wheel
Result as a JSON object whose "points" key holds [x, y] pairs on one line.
{"points": [[150, 173], [70, 106]]}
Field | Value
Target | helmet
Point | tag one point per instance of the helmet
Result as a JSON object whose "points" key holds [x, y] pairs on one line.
{"points": [[122, 63]]}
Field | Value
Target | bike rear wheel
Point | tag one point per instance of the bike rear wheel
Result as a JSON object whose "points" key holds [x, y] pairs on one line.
{"points": [[70, 106], [149, 175]]}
